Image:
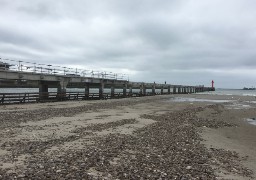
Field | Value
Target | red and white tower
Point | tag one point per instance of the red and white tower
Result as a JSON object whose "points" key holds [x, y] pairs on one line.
{"points": [[212, 84]]}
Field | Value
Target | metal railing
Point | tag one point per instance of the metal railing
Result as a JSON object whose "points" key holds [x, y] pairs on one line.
{"points": [[25, 66]]}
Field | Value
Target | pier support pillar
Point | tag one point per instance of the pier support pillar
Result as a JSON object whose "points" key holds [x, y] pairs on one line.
{"points": [[144, 90], [185, 90], [86, 91], [154, 89], [174, 90], [162, 90], [112, 91], [61, 92], [169, 89], [130, 91], [43, 90], [141, 89], [179, 90], [124, 90], [101, 90]]}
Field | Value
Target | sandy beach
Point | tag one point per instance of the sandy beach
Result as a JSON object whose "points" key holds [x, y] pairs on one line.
{"points": [[192, 136]]}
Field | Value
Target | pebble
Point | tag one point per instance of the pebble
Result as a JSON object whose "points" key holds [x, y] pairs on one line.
{"points": [[170, 148]]}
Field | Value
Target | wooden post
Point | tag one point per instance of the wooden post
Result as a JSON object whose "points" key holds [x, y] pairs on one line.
{"points": [[2, 100]]}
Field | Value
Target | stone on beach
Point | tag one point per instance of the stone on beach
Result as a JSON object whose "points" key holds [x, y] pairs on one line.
{"points": [[167, 148]]}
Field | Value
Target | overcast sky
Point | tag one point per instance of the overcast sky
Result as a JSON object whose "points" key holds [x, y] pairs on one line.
{"points": [[179, 41]]}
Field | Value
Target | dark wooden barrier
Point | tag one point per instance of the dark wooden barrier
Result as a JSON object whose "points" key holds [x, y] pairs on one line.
{"points": [[9, 98]]}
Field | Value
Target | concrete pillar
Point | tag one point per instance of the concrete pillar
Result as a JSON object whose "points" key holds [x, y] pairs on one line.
{"points": [[141, 89], [162, 90], [169, 89], [43, 90], [174, 90], [124, 90], [154, 89], [62, 89], [186, 90], [130, 91], [144, 90], [62, 86], [101, 90], [86, 91], [112, 91]]}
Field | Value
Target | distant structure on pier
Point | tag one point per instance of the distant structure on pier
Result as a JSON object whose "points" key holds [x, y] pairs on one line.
{"points": [[252, 88], [4, 66]]}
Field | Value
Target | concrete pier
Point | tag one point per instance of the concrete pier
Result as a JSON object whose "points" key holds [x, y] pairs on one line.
{"points": [[61, 82]]}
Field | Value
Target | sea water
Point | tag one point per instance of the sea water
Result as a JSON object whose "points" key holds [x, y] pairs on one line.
{"points": [[239, 92]]}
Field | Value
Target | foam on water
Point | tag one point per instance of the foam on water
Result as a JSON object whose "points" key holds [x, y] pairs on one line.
{"points": [[181, 99], [251, 121], [238, 106]]}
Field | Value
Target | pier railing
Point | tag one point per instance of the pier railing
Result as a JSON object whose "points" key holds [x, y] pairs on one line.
{"points": [[51, 69]]}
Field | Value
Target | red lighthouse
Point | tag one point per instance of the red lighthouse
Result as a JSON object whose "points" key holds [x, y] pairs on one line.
{"points": [[212, 84]]}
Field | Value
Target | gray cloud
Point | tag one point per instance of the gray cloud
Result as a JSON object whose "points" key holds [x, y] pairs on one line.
{"points": [[182, 42]]}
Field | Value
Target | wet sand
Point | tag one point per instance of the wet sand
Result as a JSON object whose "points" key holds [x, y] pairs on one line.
{"points": [[168, 137]]}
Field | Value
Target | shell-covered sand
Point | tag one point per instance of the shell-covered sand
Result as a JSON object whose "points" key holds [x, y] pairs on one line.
{"points": [[159, 137]]}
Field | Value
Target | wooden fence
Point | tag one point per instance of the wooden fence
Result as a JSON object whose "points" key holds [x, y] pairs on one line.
{"points": [[8, 98]]}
